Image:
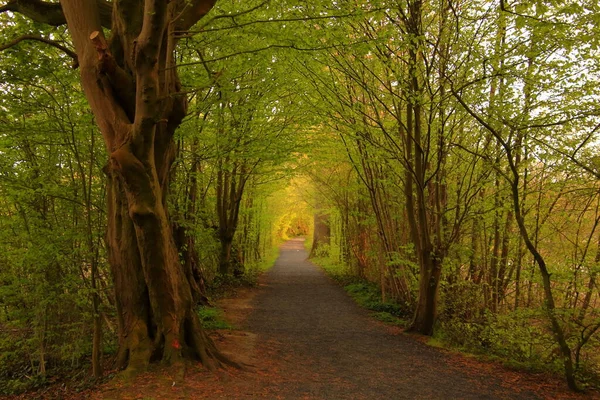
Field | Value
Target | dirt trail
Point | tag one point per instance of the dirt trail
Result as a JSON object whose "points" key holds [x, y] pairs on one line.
{"points": [[345, 353], [306, 339]]}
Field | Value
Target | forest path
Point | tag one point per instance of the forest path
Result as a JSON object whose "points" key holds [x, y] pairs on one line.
{"points": [[329, 348], [302, 337]]}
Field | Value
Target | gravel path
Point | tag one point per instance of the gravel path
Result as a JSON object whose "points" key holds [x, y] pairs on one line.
{"points": [[329, 348]]}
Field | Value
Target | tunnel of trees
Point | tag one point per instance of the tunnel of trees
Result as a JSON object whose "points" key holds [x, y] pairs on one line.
{"points": [[443, 152]]}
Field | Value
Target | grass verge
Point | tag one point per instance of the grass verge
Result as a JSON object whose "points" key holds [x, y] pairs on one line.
{"points": [[212, 318], [364, 293]]}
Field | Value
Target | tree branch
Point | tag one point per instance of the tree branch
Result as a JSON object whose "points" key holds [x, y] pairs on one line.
{"points": [[51, 13], [121, 82], [257, 50], [50, 42], [190, 12], [39, 11]]}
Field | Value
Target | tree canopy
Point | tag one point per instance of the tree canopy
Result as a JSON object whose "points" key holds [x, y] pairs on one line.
{"points": [[443, 152]]}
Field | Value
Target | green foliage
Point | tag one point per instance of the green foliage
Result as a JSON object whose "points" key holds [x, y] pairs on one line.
{"points": [[366, 294], [52, 217], [520, 338]]}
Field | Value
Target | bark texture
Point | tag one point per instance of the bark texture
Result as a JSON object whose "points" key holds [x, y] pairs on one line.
{"points": [[131, 83], [431, 231]]}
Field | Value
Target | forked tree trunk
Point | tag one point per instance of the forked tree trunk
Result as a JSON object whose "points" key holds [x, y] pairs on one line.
{"points": [[425, 222], [230, 189], [154, 299], [132, 87]]}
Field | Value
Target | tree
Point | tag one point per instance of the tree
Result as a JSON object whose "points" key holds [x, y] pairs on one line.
{"points": [[530, 118], [52, 245], [131, 83]]}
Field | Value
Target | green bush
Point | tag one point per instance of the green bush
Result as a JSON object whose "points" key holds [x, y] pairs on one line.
{"points": [[519, 338], [368, 295]]}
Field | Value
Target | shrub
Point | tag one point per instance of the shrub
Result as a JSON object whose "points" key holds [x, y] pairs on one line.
{"points": [[520, 337]]}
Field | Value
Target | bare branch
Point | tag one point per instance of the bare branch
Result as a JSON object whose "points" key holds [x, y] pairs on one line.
{"points": [[233, 16], [50, 42], [51, 13], [571, 157], [235, 25], [258, 50]]}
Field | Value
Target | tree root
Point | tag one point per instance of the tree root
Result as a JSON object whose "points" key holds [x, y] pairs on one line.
{"points": [[139, 352]]}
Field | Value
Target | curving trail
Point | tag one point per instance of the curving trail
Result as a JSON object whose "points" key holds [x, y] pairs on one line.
{"points": [[331, 349]]}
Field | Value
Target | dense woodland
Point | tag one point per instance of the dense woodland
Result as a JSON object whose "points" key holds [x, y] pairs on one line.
{"points": [[442, 153]]}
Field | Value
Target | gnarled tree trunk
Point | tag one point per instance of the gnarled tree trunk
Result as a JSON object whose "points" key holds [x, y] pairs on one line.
{"points": [[133, 89]]}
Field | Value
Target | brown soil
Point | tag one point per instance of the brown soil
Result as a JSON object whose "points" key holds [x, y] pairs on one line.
{"points": [[302, 337]]}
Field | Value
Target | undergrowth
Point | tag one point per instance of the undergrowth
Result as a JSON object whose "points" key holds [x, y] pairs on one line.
{"points": [[68, 362], [520, 340], [365, 294], [227, 286]]}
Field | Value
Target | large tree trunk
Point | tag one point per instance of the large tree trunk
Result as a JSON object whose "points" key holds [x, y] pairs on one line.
{"points": [[154, 299], [132, 88]]}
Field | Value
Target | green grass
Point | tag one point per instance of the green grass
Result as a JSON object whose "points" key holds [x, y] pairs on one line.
{"points": [[212, 318], [437, 343], [337, 271], [227, 286], [268, 262], [365, 294], [390, 319]]}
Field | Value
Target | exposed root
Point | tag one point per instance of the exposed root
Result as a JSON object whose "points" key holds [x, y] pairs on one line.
{"points": [[139, 351], [206, 350]]}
